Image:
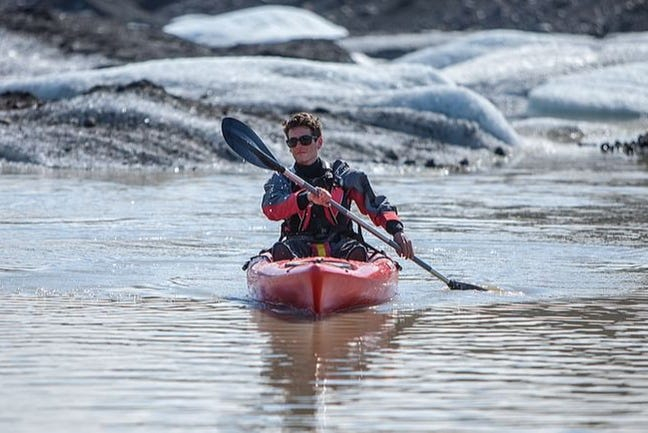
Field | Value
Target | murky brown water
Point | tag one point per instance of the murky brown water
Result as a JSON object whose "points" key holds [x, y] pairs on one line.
{"points": [[123, 308], [159, 365]]}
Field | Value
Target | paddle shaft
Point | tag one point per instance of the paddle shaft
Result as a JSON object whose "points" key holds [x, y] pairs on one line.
{"points": [[346, 212]]}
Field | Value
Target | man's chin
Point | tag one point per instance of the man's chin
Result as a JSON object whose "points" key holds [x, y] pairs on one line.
{"points": [[304, 161]]}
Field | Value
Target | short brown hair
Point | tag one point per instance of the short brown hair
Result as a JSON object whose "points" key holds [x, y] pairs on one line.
{"points": [[303, 119]]}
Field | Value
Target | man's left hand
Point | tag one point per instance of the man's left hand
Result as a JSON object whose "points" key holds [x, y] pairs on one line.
{"points": [[406, 248]]}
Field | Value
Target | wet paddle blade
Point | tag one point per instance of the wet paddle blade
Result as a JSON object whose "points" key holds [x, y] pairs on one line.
{"points": [[457, 285], [247, 144]]}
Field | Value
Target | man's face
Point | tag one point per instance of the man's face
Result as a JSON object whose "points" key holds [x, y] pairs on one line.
{"points": [[304, 154]]}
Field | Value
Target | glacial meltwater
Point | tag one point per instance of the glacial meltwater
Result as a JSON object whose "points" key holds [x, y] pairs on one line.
{"points": [[124, 307]]}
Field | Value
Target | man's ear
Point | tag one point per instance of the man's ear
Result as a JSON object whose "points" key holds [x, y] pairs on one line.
{"points": [[319, 142]]}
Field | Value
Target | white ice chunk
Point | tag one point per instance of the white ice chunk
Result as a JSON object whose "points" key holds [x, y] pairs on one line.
{"points": [[620, 90], [258, 25]]}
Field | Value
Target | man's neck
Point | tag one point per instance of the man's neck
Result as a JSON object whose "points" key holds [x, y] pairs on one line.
{"points": [[313, 170]]}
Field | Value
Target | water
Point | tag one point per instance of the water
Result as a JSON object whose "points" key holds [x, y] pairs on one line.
{"points": [[124, 308]]}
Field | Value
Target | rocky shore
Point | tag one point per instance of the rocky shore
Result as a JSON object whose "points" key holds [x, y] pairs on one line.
{"points": [[124, 31]]}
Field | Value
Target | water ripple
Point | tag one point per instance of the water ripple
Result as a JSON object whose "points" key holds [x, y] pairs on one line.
{"points": [[548, 366]]}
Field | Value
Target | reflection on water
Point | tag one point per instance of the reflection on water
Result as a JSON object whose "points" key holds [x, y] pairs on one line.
{"points": [[71, 365], [310, 360]]}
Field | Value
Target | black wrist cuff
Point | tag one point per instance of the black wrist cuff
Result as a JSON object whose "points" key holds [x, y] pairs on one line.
{"points": [[302, 200], [394, 227]]}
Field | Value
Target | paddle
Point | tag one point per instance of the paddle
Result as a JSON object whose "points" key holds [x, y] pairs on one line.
{"points": [[247, 144]]}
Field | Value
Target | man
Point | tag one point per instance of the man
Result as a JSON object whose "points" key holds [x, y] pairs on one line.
{"points": [[311, 227]]}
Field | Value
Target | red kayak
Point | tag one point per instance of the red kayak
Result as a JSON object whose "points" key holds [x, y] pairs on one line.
{"points": [[322, 285]]}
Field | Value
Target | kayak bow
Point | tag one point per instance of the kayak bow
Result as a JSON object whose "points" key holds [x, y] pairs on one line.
{"points": [[322, 285]]}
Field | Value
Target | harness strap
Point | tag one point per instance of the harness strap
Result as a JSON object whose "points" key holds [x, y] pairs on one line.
{"points": [[321, 249]]}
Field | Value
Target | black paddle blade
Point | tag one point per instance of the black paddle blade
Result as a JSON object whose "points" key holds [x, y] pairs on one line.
{"points": [[247, 144], [457, 285]]}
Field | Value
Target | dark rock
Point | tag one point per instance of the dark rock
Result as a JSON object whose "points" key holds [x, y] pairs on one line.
{"points": [[643, 139], [139, 87], [630, 148], [391, 155], [18, 101], [15, 154], [311, 49]]}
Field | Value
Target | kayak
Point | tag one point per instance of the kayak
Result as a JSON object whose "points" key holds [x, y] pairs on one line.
{"points": [[322, 285]]}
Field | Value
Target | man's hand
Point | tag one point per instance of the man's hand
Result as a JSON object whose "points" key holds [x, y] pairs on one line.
{"points": [[322, 198], [406, 248]]}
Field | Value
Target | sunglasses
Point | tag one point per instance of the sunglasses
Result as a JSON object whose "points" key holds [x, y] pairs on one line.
{"points": [[305, 140]]}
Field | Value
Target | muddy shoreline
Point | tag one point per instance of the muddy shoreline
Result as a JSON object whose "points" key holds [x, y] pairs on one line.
{"points": [[73, 134]]}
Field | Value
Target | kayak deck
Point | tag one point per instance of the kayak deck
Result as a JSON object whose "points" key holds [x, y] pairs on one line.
{"points": [[323, 285]]}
